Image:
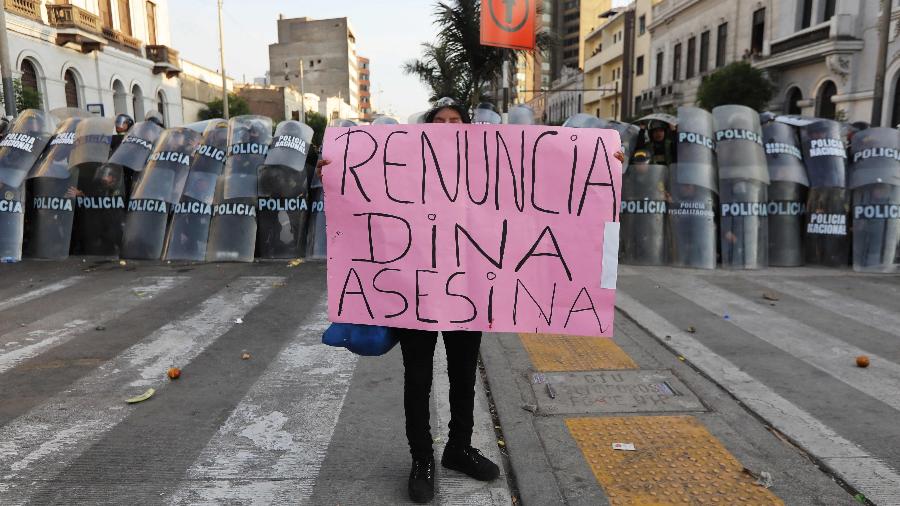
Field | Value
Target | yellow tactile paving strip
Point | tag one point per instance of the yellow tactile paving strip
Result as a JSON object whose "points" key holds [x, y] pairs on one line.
{"points": [[553, 352], [677, 461]]}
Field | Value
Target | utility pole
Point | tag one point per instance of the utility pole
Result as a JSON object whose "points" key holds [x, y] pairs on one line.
{"points": [[9, 96], [222, 58], [884, 26], [302, 95]]}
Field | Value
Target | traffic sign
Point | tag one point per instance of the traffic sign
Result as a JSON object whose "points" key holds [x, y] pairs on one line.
{"points": [[508, 23]]}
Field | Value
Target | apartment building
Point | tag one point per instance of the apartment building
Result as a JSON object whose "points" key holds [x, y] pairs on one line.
{"points": [[608, 68]]}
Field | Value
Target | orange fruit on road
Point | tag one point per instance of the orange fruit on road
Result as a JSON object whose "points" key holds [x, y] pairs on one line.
{"points": [[174, 373], [862, 361]]}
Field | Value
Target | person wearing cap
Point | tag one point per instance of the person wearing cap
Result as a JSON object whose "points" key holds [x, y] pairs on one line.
{"points": [[661, 145], [462, 348]]}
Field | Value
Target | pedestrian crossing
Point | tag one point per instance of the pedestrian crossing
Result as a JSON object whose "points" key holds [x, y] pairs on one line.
{"points": [[80, 443], [784, 357]]}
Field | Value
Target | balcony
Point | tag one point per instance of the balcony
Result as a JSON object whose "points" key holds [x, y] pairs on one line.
{"points": [[834, 39], [122, 41], [662, 97], [30, 9], [165, 60], [76, 27]]}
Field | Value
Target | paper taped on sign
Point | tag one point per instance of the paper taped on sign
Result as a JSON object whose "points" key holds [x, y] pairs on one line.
{"points": [[503, 228], [627, 447]]}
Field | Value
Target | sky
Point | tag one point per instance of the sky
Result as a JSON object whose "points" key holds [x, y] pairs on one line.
{"points": [[389, 32]]}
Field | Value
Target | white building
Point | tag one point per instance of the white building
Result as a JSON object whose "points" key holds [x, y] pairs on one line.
{"points": [[565, 98], [199, 86], [108, 56]]}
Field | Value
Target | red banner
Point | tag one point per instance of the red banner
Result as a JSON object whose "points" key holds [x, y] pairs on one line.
{"points": [[508, 23]]}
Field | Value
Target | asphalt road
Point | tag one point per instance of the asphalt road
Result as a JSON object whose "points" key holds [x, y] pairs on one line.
{"points": [[302, 423]]}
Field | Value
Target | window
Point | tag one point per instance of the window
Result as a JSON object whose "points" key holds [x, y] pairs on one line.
{"points": [[151, 23], [691, 58], [106, 13], [660, 59], [29, 76], [642, 24], [676, 63], [828, 12], [124, 17], [721, 42], [825, 106], [704, 51], [71, 89], [793, 97], [137, 102], [161, 105], [599, 81], [639, 66], [759, 31], [806, 14]]}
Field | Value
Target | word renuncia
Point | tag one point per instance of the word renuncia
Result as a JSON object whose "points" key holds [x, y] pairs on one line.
{"points": [[738, 134], [171, 156], [827, 147], [24, 142], [695, 138], [827, 224], [66, 138], [780, 148], [876, 153], [645, 206], [144, 143], [291, 142], [52, 203], [877, 211]]}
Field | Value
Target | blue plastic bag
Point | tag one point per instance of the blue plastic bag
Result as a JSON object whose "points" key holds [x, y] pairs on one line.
{"points": [[366, 340]]}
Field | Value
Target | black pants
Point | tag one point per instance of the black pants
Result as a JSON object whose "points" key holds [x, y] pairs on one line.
{"points": [[462, 359]]}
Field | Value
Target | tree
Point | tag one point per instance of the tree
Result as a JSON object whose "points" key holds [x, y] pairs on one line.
{"points": [[318, 123], [26, 98], [458, 63], [736, 83], [237, 106]]}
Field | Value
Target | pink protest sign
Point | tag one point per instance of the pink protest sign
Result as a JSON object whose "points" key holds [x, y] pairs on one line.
{"points": [[502, 228]]}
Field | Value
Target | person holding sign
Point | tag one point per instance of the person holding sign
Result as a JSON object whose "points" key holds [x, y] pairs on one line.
{"points": [[462, 348]]}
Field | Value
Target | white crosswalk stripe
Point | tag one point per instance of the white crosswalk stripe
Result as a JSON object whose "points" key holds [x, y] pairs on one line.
{"points": [[877, 480], [58, 328], [43, 442], [39, 292], [271, 448]]}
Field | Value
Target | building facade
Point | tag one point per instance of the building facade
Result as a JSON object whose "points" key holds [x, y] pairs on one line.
{"points": [[643, 16], [199, 86], [591, 16], [327, 50], [567, 27], [608, 68], [277, 102], [563, 100], [822, 58], [366, 110], [108, 56]]}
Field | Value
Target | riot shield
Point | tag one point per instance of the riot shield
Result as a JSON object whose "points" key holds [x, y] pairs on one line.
{"points": [[316, 241], [159, 189], [283, 208], [787, 194], [827, 240], [875, 182], [695, 148], [690, 221], [191, 216], [484, 116], [643, 216], [743, 181], [23, 144], [232, 234], [93, 140], [50, 211], [12, 222], [137, 146], [385, 120], [582, 120], [63, 113], [629, 136], [521, 115]]}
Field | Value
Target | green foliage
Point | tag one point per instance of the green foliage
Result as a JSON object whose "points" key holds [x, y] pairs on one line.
{"points": [[736, 83], [237, 106], [26, 98], [457, 65], [317, 122]]}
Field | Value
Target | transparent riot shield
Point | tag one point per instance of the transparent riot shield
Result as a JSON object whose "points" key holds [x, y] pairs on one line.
{"points": [[643, 216], [50, 211], [232, 234], [189, 231], [137, 145], [628, 134], [521, 115], [12, 222], [316, 241], [385, 120], [283, 208], [827, 240], [582, 120], [483, 116], [99, 200], [875, 183], [159, 190], [743, 182], [787, 194]]}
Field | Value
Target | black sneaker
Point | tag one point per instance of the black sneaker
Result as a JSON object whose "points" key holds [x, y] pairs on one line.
{"points": [[421, 480], [470, 461]]}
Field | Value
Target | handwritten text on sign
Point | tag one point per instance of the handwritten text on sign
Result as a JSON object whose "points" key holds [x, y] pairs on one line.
{"points": [[480, 227]]}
